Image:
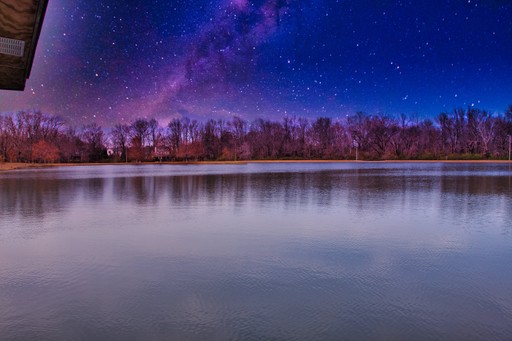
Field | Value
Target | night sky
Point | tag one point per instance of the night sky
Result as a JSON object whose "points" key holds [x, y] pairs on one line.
{"points": [[113, 61]]}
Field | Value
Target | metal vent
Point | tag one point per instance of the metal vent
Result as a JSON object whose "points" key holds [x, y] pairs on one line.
{"points": [[12, 47]]}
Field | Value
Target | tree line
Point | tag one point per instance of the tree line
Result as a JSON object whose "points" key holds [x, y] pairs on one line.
{"points": [[461, 134]]}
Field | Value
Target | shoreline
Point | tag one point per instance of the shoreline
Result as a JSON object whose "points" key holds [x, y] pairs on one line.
{"points": [[10, 166]]}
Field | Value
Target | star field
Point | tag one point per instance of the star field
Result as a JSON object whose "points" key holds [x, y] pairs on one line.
{"points": [[111, 61]]}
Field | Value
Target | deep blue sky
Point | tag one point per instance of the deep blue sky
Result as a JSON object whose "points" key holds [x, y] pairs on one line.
{"points": [[109, 61]]}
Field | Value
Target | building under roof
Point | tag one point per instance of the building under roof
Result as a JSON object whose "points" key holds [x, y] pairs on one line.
{"points": [[20, 26]]}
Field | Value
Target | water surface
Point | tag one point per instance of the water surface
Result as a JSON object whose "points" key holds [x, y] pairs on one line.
{"points": [[257, 251]]}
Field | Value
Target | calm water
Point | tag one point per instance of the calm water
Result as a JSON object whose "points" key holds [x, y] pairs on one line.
{"points": [[259, 251]]}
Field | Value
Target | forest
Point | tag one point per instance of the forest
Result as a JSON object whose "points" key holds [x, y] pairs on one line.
{"points": [[463, 134]]}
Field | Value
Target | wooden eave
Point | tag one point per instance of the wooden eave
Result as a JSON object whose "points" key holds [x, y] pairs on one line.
{"points": [[21, 21]]}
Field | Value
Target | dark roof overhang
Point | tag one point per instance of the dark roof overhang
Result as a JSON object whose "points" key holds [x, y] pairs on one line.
{"points": [[20, 26]]}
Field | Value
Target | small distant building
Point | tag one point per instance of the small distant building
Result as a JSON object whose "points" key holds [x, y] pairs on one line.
{"points": [[20, 26], [161, 152]]}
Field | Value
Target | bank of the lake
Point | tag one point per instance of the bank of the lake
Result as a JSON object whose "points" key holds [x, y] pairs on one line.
{"points": [[9, 166]]}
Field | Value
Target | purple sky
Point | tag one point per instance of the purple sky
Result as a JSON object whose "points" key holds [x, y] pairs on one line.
{"points": [[111, 61]]}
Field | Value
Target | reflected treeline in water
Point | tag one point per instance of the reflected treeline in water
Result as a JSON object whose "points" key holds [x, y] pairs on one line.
{"points": [[35, 197], [477, 185], [140, 190], [359, 189], [213, 189], [477, 201]]}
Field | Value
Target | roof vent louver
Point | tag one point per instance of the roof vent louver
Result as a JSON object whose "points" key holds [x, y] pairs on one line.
{"points": [[12, 47]]}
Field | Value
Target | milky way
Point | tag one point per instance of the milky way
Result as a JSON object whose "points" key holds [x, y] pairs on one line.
{"points": [[111, 61], [223, 54]]}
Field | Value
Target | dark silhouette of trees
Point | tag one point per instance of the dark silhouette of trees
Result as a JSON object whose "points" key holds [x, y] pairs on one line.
{"points": [[93, 139], [21, 131], [175, 136], [358, 125], [461, 134], [211, 140], [120, 137], [322, 138], [71, 146], [139, 139], [238, 129]]}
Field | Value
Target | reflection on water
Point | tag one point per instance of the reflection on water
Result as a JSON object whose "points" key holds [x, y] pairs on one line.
{"points": [[293, 251]]}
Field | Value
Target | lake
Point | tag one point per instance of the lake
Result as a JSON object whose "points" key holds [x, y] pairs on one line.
{"points": [[283, 251]]}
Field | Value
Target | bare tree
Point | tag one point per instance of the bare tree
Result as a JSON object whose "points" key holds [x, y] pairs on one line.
{"points": [[120, 137], [175, 131], [94, 140]]}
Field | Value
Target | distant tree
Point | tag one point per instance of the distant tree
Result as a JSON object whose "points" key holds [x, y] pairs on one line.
{"points": [[402, 138], [120, 138], [481, 131], [265, 138], [153, 132], [358, 127], [175, 135], [71, 146], [239, 132], [508, 114], [323, 137], [45, 152], [448, 137], [427, 144], [300, 137], [139, 139], [380, 131], [193, 151], [211, 141], [508, 120], [94, 143], [342, 142]]}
